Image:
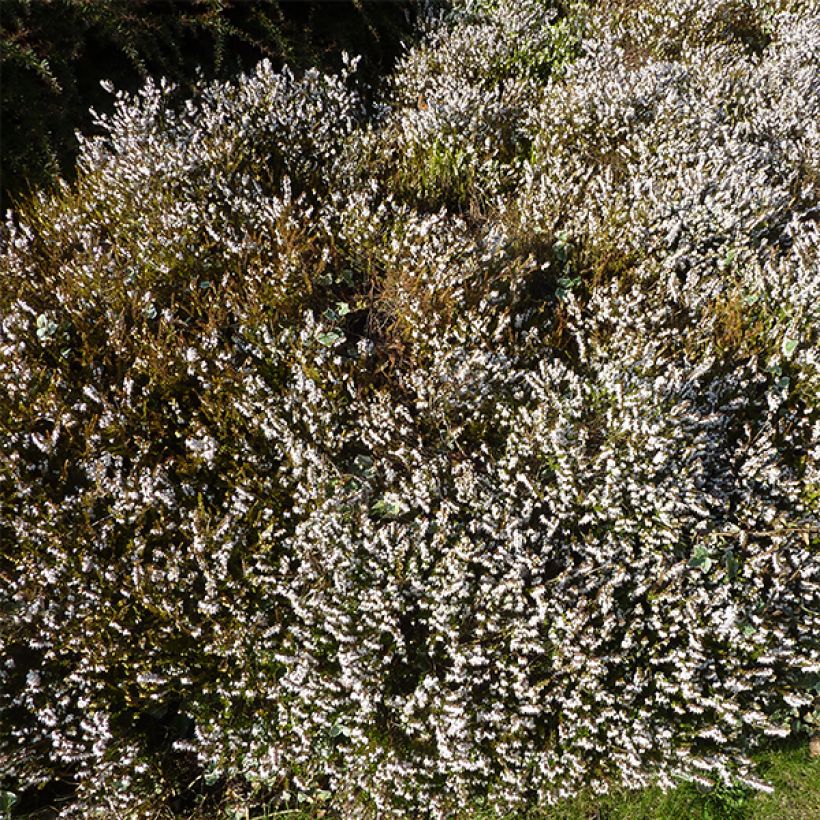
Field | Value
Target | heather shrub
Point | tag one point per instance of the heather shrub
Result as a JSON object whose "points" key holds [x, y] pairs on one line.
{"points": [[462, 448], [459, 100], [53, 53]]}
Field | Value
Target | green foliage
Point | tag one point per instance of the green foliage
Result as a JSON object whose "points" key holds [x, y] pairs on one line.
{"points": [[549, 59], [8, 800], [437, 175]]}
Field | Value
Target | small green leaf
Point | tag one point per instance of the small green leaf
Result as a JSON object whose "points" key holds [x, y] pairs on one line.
{"points": [[565, 286], [701, 559], [561, 247], [751, 298], [8, 800], [388, 509], [46, 328], [363, 463], [212, 777], [336, 730], [329, 339], [732, 565], [789, 346], [342, 308]]}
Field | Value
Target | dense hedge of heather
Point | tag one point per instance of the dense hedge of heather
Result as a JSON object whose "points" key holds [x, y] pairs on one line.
{"points": [[460, 453]]}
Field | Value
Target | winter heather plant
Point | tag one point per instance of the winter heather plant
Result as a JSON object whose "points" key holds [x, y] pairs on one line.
{"points": [[457, 449]]}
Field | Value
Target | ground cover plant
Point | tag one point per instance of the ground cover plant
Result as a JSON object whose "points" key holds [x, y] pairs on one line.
{"points": [[388, 451]]}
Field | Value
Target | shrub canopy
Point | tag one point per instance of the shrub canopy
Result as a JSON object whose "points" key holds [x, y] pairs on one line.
{"points": [[460, 447]]}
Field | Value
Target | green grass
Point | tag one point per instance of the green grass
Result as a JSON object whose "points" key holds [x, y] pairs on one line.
{"points": [[794, 775], [796, 779]]}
